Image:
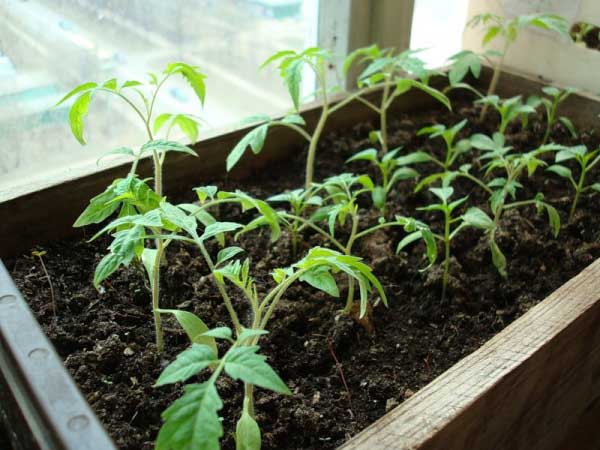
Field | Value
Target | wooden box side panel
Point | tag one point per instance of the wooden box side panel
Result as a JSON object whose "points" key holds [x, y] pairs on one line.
{"points": [[521, 390]]}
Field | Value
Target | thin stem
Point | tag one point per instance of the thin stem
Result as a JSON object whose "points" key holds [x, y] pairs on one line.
{"points": [[477, 181], [294, 127], [368, 104], [383, 118], [495, 79], [578, 191], [348, 251], [54, 306], [316, 228], [375, 228], [355, 96], [155, 285], [232, 314], [312, 148], [519, 204], [275, 295], [446, 254]]}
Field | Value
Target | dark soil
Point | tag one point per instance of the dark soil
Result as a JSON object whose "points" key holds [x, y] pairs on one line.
{"points": [[591, 39], [106, 337]]}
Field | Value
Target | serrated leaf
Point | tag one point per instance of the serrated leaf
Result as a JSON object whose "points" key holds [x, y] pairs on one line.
{"points": [[244, 363], [294, 119], [228, 253], [164, 146], [369, 154], [106, 267], [81, 88], [100, 207], [553, 219], [561, 171], [188, 363], [117, 151], [192, 421], [76, 114], [192, 76], [217, 228], [255, 139]]}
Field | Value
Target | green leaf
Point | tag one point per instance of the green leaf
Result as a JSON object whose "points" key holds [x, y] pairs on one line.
{"points": [[228, 253], [292, 74], [379, 196], [187, 125], [161, 120], [110, 84], [413, 158], [76, 114], [248, 333], [81, 88], [148, 261], [219, 333], [192, 76], [190, 362], [247, 433], [463, 62], [498, 259], [219, 228], [408, 239], [164, 146], [100, 207], [595, 187], [244, 363], [561, 171], [192, 421], [438, 95], [294, 119], [553, 219], [194, 328], [131, 83], [117, 151], [320, 277], [569, 126], [276, 56], [369, 154], [106, 267], [443, 193], [255, 139], [475, 217], [178, 218]]}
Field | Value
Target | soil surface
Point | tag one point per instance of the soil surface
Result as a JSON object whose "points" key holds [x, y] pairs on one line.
{"points": [[591, 39], [106, 336]]}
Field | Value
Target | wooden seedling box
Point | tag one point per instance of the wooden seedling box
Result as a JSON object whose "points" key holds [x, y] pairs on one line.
{"points": [[524, 389]]}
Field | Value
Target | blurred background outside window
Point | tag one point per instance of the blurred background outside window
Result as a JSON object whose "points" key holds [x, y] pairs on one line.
{"points": [[47, 47]]}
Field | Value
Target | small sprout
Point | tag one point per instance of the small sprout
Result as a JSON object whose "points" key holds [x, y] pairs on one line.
{"points": [[508, 30], [509, 109], [586, 161], [557, 96], [453, 149], [393, 72], [452, 226], [40, 254], [392, 169], [513, 166]]}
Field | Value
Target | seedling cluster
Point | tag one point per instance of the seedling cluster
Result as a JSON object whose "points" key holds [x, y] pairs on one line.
{"points": [[143, 223]]}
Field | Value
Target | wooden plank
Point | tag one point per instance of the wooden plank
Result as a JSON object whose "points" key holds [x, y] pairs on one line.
{"points": [[32, 218], [522, 390], [38, 395]]}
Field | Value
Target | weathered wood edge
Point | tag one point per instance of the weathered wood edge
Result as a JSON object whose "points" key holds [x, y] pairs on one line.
{"points": [[522, 390], [51, 412]]}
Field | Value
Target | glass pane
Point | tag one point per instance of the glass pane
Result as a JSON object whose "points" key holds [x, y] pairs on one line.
{"points": [[48, 47], [438, 28]]}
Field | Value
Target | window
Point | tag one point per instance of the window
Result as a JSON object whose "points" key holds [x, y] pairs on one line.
{"points": [[438, 28], [47, 47]]}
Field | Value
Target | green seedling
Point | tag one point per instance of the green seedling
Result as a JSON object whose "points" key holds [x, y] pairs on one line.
{"points": [[300, 201], [449, 135], [194, 417], [508, 30], [586, 161], [392, 169], [509, 109], [557, 96], [291, 66], [131, 196], [513, 166], [452, 226], [395, 73], [340, 206]]}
